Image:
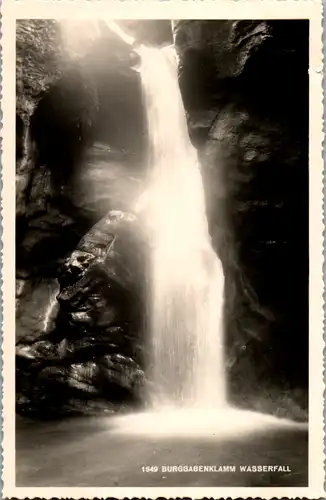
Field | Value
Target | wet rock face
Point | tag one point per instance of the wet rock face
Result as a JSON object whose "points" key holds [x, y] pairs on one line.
{"points": [[245, 88], [260, 61], [102, 282], [94, 348], [219, 49], [80, 136], [79, 150]]}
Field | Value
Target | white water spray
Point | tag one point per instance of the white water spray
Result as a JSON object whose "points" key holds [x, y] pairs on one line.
{"points": [[51, 308], [187, 282], [186, 299]]}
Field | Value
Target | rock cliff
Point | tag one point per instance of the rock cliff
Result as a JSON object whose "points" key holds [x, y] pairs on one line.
{"points": [[245, 89]]}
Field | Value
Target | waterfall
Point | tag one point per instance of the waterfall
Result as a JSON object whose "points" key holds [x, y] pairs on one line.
{"points": [[51, 308], [186, 292]]}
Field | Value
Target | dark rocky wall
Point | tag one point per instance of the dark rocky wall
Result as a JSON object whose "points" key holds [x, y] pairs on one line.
{"points": [[79, 156], [245, 88]]}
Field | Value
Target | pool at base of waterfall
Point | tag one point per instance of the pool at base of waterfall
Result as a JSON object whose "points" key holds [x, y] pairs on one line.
{"points": [[223, 423], [134, 451]]}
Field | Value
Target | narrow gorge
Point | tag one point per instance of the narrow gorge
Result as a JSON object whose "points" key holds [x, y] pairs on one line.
{"points": [[226, 184]]}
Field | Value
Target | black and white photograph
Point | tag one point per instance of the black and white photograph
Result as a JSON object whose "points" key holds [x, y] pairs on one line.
{"points": [[162, 253]]}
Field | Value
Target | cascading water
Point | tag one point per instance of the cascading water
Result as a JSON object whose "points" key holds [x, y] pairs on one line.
{"points": [[187, 282], [186, 296]]}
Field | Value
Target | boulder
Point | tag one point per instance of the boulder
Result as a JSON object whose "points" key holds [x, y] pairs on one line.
{"points": [[94, 349]]}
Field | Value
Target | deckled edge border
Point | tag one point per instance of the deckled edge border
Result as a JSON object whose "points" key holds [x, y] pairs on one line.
{"points": [[324, 232], [1, 258], [323, 21]]}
